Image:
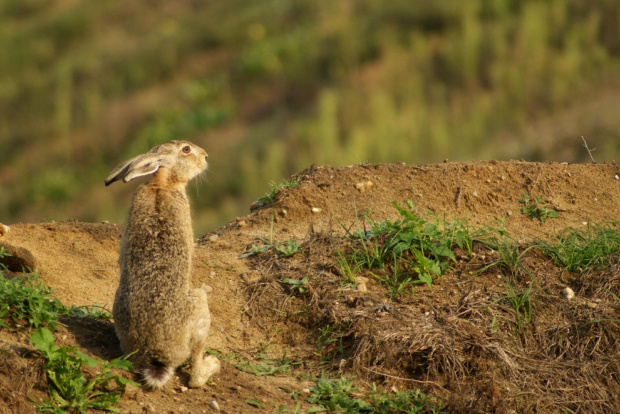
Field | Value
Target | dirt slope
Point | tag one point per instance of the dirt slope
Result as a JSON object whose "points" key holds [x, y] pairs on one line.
{"points": [[79, 261]]}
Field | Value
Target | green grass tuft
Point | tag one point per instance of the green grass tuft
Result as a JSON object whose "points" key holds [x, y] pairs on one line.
{"points": [[579, 251], [275, 190]]}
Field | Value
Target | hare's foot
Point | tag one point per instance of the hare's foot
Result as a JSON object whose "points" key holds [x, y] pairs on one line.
{"points": [[203, 368], [206, 288]]}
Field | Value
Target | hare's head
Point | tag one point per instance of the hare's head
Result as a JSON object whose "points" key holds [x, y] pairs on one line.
{"points": [[172, 163]]}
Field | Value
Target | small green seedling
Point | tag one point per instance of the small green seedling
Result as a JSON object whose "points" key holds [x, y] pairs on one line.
{"points": [[288, 248], [536, 208], [298, 285], [275, 190]]}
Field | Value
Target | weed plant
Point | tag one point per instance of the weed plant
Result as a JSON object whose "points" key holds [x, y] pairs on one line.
{"points": [[411, 402], [25, 300], [299, 286], [335, 396], [69, 388], [536, 208], [96, 311], [409, 250], [286, 249], [340, 395]]}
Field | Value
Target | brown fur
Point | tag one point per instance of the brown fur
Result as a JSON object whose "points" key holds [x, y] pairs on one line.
{"points": [[156, 312]]}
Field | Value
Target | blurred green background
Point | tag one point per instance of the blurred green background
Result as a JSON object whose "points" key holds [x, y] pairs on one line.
{"points": [[270, 87]]}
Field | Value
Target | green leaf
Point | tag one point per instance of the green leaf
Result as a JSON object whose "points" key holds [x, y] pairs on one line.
{"points": [[122, 381], [87, 360], [122, 364], [426, 278], [255, 403], [43, 340], [400, 247]]}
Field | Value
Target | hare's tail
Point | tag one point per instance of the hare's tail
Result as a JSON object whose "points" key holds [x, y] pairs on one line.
{"points": [[156, 375]]}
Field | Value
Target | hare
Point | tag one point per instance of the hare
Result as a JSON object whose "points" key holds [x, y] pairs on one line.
{"points": [[156, 312]]}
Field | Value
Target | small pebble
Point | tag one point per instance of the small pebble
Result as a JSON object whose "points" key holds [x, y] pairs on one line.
{"points": [[568, 293], [131, 391], [509, 213], [364, 185], [474, 193], [4, 229], [316, 210], [361, 287], [183, 388], [214, 405], [213, 237]]}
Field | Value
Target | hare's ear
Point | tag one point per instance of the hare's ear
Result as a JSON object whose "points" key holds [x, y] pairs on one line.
{"points": [[139, 166]]}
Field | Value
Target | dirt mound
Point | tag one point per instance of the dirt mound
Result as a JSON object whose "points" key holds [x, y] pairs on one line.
{"points": [[439, 339]]}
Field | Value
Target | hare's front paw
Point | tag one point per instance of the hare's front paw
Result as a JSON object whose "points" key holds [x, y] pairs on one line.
{"points": [[206, 288], [203, 370]]}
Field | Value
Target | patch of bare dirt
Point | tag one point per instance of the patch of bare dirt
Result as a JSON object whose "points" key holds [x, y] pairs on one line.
{"points": [[438, 340]]}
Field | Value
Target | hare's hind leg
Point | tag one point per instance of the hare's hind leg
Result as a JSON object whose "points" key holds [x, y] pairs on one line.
{"points": [[203, 366]]}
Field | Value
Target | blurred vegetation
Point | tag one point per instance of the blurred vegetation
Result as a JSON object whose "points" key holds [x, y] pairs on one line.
{"points": [[270, 87]]}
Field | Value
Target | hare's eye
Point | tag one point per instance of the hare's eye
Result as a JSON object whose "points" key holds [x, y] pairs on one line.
{"points": [[186, 149]]}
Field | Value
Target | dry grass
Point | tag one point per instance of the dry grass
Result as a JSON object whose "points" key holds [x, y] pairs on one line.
{"points": [[458, 340]]}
